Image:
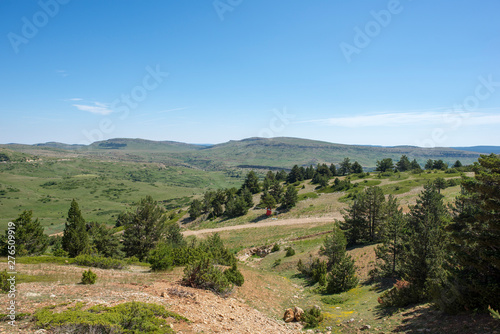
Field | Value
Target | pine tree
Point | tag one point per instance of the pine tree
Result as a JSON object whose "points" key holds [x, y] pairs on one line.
{"points": [[356, 168], [30, 239], [475, 232], [403, 164], [103, 241], [342, 272], [195, 209], [252, 182], [345, 166], [393, 231], [267, 200], [425, 246], [75, 239], [247, 196], [145, 227], [290, 198], [276, 191], [415, 165]]}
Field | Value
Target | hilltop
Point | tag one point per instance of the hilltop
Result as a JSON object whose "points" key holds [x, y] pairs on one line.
{"points": [[256, 153]]}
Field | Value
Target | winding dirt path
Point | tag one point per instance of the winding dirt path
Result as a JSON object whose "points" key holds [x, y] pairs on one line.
{"points": [[268, 222]]}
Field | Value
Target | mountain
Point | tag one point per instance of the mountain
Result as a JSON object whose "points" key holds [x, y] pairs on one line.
{"points": [[274, 153], [285, 152], [480, 149]]}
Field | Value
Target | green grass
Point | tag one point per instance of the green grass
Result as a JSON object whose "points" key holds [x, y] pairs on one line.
{"points": [[305, 196], [103, 189]]}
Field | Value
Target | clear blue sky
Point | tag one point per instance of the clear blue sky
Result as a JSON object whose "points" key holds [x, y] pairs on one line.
{"points": [[418, 72]]}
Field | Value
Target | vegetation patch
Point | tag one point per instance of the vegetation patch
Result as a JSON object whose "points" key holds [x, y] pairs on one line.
{"points": [[131, 317], [99, 262]]}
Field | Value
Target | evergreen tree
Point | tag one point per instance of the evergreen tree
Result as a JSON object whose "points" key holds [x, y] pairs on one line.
{"points": [[355, 225], [475, 232], [457, 164], [393, 240], [440, 183], [333, 170], [195, 209], [252, 182], [281, 175], [309, 173], [267, 200], [415, 165], [247, 196], [30, 239], [294, 175], [75, 239], [403, 164], [276, 191], [342, 276], [439, 164], [356, 168], [345, 166], [384, 165], [145, 227], [425, 247], [103, 241], [290, 198]]}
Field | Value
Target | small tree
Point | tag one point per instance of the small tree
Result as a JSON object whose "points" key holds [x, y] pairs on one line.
{"points": [[252, 182], [89, 277], [144, 228], [384, 165], [291, 197], [104, 241], [356, 168], [267, 200], [30, 239], [345, 166], [75, 239], [195, 209], [403, 164]]}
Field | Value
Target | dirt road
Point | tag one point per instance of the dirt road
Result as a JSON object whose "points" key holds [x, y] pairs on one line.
{"points": [[269, 222]]}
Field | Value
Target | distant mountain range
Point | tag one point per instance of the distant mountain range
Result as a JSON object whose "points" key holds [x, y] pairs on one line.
{"points": [[281, 152]]}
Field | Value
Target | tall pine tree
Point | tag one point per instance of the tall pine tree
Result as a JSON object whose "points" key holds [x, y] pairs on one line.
{"points": [[75, 239]]}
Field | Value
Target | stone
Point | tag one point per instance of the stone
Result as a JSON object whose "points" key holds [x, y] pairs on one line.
{"points": [[289, 315], [365, 327], [298, 313]]}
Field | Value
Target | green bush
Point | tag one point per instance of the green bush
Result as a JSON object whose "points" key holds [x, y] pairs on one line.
{"points": [[161, 258], [312, 317], [334, 300], [99, 262], [275, 248], [290, 251], [130, 317], [276, 263], [234, 276], [4, 284], [89, 277], [203, 274], [402, 294]]}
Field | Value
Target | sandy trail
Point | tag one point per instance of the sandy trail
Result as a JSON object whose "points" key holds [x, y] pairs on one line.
{"points": [[269, 222]]}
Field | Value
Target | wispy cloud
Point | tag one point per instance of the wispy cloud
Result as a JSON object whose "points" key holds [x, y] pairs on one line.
{"points": [[96, 108], [74, 99], [414, 118]]}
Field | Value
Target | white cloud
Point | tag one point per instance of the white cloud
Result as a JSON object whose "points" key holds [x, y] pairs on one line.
{"points": [[412, 118], [74, 99], [97, 108]]}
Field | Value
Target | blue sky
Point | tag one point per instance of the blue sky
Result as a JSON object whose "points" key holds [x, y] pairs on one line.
{"points": [[423, 73]]}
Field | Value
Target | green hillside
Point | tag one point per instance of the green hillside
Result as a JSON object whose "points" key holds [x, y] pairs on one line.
{"points": [[285, 152]]}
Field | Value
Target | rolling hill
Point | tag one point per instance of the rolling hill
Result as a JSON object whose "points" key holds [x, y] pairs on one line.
{"points": [[281, 152]]}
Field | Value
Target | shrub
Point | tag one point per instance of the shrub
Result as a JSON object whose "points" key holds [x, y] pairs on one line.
{"points": [[275, 248], [203, 274], [89, 277], [4, 284], [130, 317], [290, 251], [234, 276], [312, 317], [161, 258], [402, 294], [277, 263], [99, 262]]}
